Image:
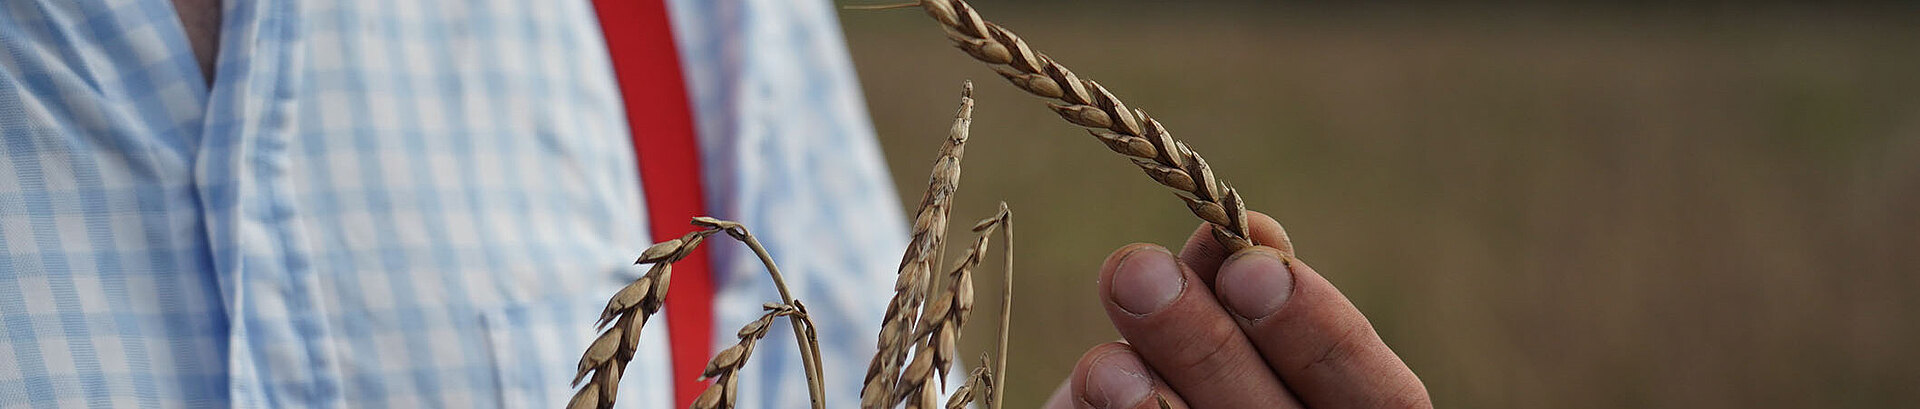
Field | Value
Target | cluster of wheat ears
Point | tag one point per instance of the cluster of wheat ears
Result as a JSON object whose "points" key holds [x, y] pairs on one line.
{"points": [[919, 335]]}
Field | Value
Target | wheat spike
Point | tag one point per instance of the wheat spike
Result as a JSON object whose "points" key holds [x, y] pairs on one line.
{"points": [[917, 264], [627, 312], [1083, 102], [937, 335], [725, 366]]}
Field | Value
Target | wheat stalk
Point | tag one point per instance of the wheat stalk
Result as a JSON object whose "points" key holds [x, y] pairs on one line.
{"points": [[1083, 102], [725, 366], [917, 264], [996, 388], [937, 334]]}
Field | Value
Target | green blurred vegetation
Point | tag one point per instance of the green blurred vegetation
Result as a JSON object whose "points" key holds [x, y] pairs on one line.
{"points": [[1567, 206]]}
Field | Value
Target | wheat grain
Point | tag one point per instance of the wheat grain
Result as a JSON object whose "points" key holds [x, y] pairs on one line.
{"points": [[917, 263], [980, 379], [1083, 102], [627, 312]]}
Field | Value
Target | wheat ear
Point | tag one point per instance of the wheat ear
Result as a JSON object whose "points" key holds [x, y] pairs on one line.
{"points": [[606, 359], [916, 265], [725, 366], [937, 335], [628, 311], [1129, 132]]}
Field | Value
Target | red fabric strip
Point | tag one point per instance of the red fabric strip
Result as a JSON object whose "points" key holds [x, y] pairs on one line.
{"points": [[647, 65]]}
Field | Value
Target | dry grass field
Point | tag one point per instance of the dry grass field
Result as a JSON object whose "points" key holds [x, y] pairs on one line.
{"points": [[1565, 207]]}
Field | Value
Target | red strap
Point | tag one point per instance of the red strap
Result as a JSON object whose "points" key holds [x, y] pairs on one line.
{"points": [[640, 42]]}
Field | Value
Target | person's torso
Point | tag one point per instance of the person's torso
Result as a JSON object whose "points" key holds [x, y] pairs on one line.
{"points": [[402, 204], [374, 204]]}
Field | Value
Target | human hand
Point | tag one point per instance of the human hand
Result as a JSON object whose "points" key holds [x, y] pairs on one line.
{"points": [[1254, 329]]}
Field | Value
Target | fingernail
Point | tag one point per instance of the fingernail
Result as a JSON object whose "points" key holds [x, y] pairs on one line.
{"points": [[1117, 382], [1255, 283], [1147, 280]]}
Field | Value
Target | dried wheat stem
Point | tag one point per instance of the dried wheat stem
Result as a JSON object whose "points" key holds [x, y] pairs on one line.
{"points": [[803, 331], [725, 366], [1083, 102], [998, 390], [627, 312], [937, 335], [917, 263]]}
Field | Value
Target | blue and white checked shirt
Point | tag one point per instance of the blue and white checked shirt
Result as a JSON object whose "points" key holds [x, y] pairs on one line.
{"points": [[405, 204]]}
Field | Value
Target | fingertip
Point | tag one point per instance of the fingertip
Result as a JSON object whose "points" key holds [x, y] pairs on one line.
{"points": [[1144, 282], [1077, 380], [1113, 259], [1268, 232], [1255, 283], [1111, 375]]}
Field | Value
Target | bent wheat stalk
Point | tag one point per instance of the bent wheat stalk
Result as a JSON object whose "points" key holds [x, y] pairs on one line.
{"points": [[917, 264], [628, 310], [1083, 102], [803, 331]]}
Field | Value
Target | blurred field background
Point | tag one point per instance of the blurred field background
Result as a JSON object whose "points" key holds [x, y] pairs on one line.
{"points": [[1575, 206]]}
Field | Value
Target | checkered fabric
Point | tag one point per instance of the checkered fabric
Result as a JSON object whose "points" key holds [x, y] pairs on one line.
{"points": [[404, 204]]}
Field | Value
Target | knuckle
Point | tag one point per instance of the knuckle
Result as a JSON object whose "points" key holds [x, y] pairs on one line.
{"points": [[1349, 341], [1207, 354]]}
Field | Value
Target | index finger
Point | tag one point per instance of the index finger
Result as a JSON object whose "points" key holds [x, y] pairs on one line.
{"points": [[1324, 349]]}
